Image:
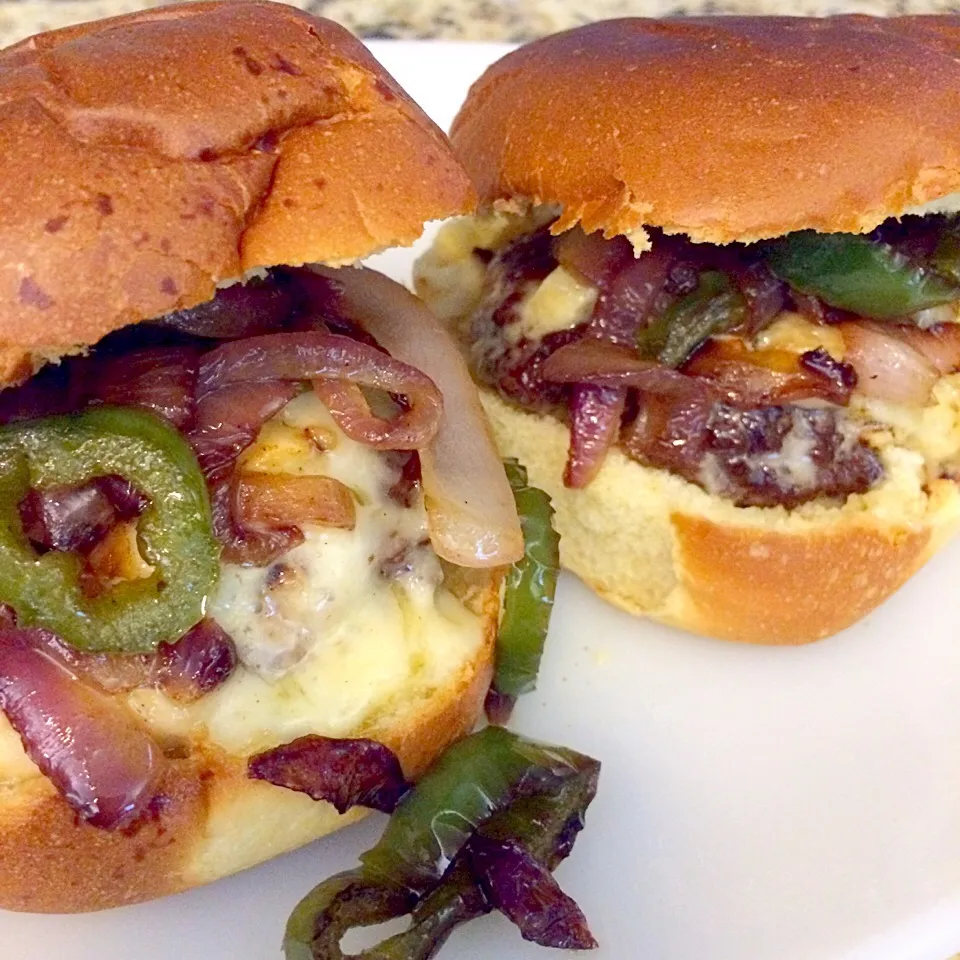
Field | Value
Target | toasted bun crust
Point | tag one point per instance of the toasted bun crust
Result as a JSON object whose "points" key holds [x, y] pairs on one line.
{"points": [[210, 820], [656, 545], [259, 135], [723, 128]]}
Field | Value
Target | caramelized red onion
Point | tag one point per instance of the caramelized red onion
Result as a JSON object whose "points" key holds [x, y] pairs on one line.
{"points": [[632, 297], [280, 500], [595, 414], [200, 661], [597, 260], [470, 507], [237, 311], [346, 773], [330, 356], [888, 367], [159, 379], [757, 378], [611, 365], [77, 518], [95, 751]]}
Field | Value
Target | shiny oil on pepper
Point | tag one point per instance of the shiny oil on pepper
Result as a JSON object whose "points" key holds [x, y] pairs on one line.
{"points": [[174, 531], [859, 274], [495, 784], [715, 306]]}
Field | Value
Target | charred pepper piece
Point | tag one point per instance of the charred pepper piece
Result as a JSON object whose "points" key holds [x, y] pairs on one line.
{"points": [[715, 306], [528, 597], [494, 785], [858, 274], [174, 531]]}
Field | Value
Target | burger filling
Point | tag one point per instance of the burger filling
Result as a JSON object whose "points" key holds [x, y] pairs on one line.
{"points": [[769, 374], [216, 523]]}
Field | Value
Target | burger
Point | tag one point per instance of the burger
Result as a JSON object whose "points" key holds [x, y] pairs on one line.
{"points": [[247, 491], [712, 301]]}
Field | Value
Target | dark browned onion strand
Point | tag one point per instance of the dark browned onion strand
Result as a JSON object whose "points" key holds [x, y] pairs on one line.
{"points": [[608, 364], [159, 379], [595, 414], [203, 659], [631, 298], [95, 751], [238, 311], [597, 260], [66, 518], [344, 772]]}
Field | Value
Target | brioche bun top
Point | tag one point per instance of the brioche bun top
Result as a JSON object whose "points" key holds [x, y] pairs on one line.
{"points": [[722, 128], [145, 158]]}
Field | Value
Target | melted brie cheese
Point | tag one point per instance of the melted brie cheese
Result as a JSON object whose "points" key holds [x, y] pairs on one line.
{"points": [[337, 631], [560, 301]]}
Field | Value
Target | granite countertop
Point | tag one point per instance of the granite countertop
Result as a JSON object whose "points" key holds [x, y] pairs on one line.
{"points": [[513, 20]]}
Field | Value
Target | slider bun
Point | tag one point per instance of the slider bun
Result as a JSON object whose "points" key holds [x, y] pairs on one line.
{"points": [[724, 128], [145, 158], [211, 819], [655, 545]]}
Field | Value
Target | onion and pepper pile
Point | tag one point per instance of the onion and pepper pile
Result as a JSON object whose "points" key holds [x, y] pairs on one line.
{"points": [[121, 495], [670, 367]]}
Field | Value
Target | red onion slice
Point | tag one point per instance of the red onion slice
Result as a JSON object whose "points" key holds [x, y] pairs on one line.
{"points": [[595, 414], [158, 379], [95, 751], [611, 365], [321, 356], [237, 311], [470, 507], [888, 368], [202, 659], [346, 773], [597, 260]]}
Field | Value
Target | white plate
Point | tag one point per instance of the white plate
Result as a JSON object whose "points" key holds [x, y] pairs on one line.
{"points": [[755, 804]]}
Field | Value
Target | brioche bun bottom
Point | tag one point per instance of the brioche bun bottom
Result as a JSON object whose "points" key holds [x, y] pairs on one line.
{"points": [[211, 820], [655, 545]]}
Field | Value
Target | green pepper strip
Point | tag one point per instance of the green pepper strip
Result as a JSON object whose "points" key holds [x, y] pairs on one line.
{"points": [[494, 782], [175, 531], [854, 273], [530, 587], [715, 306]]}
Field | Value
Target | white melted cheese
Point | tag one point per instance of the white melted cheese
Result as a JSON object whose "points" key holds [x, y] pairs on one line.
{"points": [[327, 643], [560, 301]]}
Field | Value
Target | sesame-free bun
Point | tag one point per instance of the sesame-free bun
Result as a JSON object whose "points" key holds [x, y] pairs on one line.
{"points": [[210, 819], [145, 158], [721, 128], [656, 545]]}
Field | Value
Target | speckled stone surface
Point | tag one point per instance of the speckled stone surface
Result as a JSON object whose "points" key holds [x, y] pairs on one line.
{"points": [[513, 20]]}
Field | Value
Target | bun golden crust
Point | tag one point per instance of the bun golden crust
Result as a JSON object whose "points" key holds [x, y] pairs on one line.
{"points": [[656, 545], [126, 193], [723, 128], [211, 820]]}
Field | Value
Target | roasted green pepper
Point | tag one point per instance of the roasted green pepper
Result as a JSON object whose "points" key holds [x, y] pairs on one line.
{"points": [[496, 783], [175, 531], [855, 273], [528, 597], [715, 306]]}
